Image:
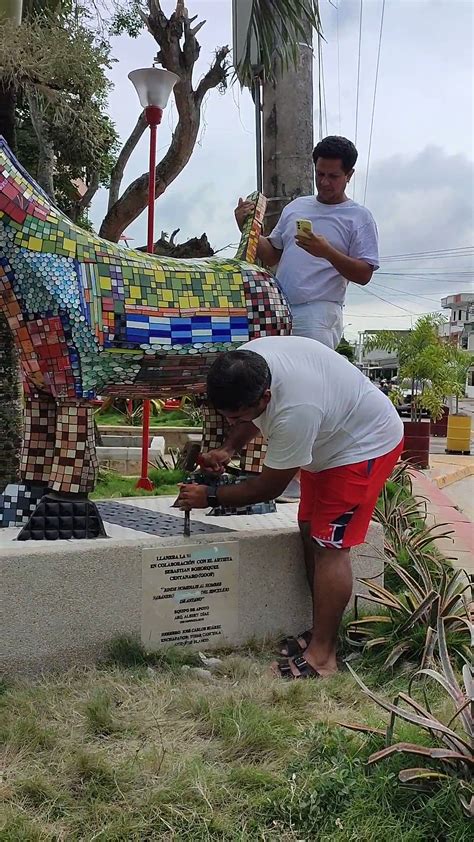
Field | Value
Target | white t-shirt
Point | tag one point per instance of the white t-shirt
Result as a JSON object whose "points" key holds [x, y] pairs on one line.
{"points": [[348, 226], [323, 411]]}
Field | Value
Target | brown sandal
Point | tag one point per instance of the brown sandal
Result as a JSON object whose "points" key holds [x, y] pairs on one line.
{"points": [[305, 670], [292, 644]]}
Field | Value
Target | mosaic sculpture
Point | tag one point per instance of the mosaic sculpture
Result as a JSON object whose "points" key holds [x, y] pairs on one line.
{"points": [[91, 318]]}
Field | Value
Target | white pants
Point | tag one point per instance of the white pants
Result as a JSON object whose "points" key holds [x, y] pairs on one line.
{"points": [[321, 320]]}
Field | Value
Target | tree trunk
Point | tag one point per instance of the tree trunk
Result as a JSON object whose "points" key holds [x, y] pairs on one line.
{"points": [[135, 197], [288, 136], [10, 407], [179, 51]]}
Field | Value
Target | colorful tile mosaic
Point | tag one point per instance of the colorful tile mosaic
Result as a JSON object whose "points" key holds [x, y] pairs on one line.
{"points": [[90, 317], [89, 314]]}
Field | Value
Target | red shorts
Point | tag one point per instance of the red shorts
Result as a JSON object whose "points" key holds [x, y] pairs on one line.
{"points": [[339, 502]]}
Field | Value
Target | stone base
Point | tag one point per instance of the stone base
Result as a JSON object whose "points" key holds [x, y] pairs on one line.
{"points": [[63, 516], [61, 603], [18, 502]]}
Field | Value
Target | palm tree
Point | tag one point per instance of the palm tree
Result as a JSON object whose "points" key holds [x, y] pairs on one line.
{"points": [[278, 26]]}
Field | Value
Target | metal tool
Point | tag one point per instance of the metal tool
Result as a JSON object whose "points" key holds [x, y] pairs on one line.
{"points": [[187, 524], [187, 515]]}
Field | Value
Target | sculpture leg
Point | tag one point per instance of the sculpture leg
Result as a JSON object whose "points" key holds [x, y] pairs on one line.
{"points": [[215, 430], [65, 511], [19, 500], [214, 433], [75, 466]]}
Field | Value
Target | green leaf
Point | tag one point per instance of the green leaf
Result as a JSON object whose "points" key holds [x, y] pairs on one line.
{"points": [[409, 775]]}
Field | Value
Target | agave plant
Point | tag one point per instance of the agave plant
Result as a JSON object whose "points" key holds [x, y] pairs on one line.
{"points": [[453, 740], [407, 625], [403, 517]]}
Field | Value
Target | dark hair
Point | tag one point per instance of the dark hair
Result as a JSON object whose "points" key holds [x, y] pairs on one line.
{"points": [[237, 379], [337, 147]]}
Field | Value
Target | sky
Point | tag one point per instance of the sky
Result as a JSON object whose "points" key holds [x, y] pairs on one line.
{"points": [[420, 181]]}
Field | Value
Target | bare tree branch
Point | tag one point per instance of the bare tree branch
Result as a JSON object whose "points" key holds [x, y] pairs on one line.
{"points": [[122, 160], [216, 75]]}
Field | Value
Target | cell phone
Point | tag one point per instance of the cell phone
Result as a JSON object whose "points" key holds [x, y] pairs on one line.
{"points": [[304, 226]]}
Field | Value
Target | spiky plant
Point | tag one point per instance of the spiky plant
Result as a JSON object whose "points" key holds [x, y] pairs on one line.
{"points": [[452, 751], [405, 625]]}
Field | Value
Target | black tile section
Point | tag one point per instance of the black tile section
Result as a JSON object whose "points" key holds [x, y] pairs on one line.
{"points": [[62, 518], [154, 523]]}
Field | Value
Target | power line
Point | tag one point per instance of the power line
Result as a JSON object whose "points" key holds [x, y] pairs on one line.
{"points": [[460, 277], [358, 85], [390, 303], [403, 292], [374, 99], [433, 252], [386, 315]]}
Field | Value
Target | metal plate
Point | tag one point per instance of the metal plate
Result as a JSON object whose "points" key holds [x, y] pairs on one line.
{"points": [[154, 523]]}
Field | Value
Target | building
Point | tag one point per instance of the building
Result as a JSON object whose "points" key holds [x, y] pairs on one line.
{"points": [[460, 328], [376, 363]]}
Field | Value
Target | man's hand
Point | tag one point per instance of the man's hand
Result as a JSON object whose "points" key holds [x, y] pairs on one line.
{"points": [[192, 496], [214, 462], [242, 211], [314, 244], [351, 268]]}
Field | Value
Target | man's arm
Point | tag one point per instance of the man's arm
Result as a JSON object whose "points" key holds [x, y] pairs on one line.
{"points": [[351, 268], [267, 253], [268, 485]]}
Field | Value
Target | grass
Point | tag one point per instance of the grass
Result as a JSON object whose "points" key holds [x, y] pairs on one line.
{"points": [[138, 749], [111, 484], [112, 418]]}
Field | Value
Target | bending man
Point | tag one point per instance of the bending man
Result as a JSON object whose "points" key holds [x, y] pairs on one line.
{"points": [[320, 414]]}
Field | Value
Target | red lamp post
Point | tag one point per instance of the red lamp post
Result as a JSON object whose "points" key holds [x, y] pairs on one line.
{"points": [[153, 87]]}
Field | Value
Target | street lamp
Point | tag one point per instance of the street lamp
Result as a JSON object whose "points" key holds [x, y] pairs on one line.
{"points": [[153, 87]]}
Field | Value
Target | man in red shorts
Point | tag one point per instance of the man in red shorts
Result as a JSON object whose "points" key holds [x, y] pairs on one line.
{"points": [[321, 415]]}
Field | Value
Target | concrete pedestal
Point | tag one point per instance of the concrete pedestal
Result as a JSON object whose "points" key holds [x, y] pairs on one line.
{"points": [[62, 603]]}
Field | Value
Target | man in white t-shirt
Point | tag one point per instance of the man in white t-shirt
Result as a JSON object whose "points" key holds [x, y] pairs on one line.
{"points": [[321, 415], [315, 268]]}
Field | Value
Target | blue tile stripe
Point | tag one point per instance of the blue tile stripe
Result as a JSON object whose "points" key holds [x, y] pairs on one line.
{"points": [[161, 330]]}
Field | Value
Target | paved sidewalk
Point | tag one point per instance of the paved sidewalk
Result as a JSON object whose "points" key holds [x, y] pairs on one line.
{"points": [[458, 547], [446, 468]]}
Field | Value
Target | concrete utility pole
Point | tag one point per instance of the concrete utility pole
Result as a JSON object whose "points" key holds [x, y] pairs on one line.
{"points": [[288, 138]]}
